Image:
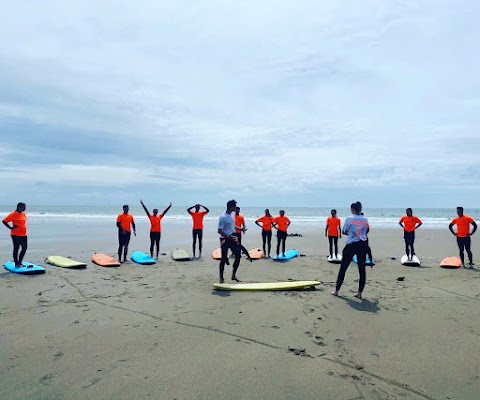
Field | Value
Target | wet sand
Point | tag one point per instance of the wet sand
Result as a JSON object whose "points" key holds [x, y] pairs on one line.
{"points": [[161, 332]]}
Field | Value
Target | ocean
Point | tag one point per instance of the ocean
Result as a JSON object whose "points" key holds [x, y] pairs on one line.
{"points": [[378, 217]]}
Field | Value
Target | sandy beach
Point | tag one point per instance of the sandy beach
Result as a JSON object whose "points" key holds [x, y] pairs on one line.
{"points": [[162, 332]]}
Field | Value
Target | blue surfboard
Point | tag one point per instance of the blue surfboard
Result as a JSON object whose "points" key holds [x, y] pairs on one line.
{"points": [[27, 268], [141, 258], [289, 254], [367, 262]]}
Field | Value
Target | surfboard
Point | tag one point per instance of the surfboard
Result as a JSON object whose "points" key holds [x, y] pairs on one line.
{"points": [[451, 262], [141, 258], [367, 261], [266, 286], [414, 262], [217, 254], [27, 268], [337, 259], [255, 253], [104, 260], [180, 255], [289, 254], [64, 262]]}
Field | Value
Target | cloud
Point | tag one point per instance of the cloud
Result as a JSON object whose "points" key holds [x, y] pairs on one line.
{"points": [[264, 99]]}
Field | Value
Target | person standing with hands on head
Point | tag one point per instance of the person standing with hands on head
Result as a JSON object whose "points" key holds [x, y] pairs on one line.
{"points": [[18, 232], [463, 234], [226, 230], [409, 223], [197, 230], [355, 228], [333, 230], [266, 226], [125, 223], [155, 227], [281, 224]]}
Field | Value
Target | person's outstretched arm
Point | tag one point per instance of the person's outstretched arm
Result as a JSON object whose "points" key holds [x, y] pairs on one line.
{"points": [[168, 208], [145, 208]]}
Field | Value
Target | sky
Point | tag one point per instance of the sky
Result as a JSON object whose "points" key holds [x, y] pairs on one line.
{"points": [[269, 102]]}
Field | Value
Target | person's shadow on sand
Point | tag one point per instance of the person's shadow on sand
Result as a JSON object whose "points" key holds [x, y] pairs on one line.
{"points": [[363, 305]]}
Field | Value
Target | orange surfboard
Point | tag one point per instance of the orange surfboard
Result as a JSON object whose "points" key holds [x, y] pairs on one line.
{"points": [[256, 253], [451, 262], [217, 254], [104, 260]]}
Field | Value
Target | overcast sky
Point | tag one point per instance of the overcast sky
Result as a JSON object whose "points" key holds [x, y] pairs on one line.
{"points": [[271, 102]]}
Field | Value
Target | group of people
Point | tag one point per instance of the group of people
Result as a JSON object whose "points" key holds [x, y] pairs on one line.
{"points": [[231, 227], [356, 228]]}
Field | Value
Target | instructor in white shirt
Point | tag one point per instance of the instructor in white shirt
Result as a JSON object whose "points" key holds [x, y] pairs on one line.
{"points": [[226, 230]]}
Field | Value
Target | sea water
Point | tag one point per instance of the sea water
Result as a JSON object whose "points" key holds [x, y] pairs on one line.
{"points": [[378, 217]]}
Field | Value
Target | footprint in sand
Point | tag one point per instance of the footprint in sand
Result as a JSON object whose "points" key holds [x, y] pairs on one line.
{"points": [[299, 352], [96, 380], [46, 379], [319, 341], [58, 355]]}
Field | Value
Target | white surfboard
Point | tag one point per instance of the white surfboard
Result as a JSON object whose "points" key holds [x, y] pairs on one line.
{"points": [[414, 262], [180, 255], [337, 259]]}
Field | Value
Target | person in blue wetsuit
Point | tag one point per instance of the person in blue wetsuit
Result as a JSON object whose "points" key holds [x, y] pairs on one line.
{"points": [[355, 229]]}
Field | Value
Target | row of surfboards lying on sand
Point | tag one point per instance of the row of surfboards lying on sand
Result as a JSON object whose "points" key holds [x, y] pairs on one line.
{"points": [[101, 259], [105, 260], [257, 254], [414, 261]]}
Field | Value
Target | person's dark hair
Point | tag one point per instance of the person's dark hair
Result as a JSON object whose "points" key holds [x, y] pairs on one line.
{"points": [[231, 203], [125, 205], [335, 211], [357, 207], [20, 205], [460, 208], [409, 209]]}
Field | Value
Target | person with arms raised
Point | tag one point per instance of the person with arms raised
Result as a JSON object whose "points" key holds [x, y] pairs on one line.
{"points": [[197, 231], [125, 223], [155, 227], [18, 232], [463, 234]]}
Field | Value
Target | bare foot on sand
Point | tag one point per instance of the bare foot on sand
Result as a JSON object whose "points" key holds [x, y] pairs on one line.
{"points": [[234, 278], [358, 295], [335, 292]]}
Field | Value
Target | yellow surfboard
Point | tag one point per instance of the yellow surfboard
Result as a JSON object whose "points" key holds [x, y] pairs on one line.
{"points": [[64, 262], [267, 285]]}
